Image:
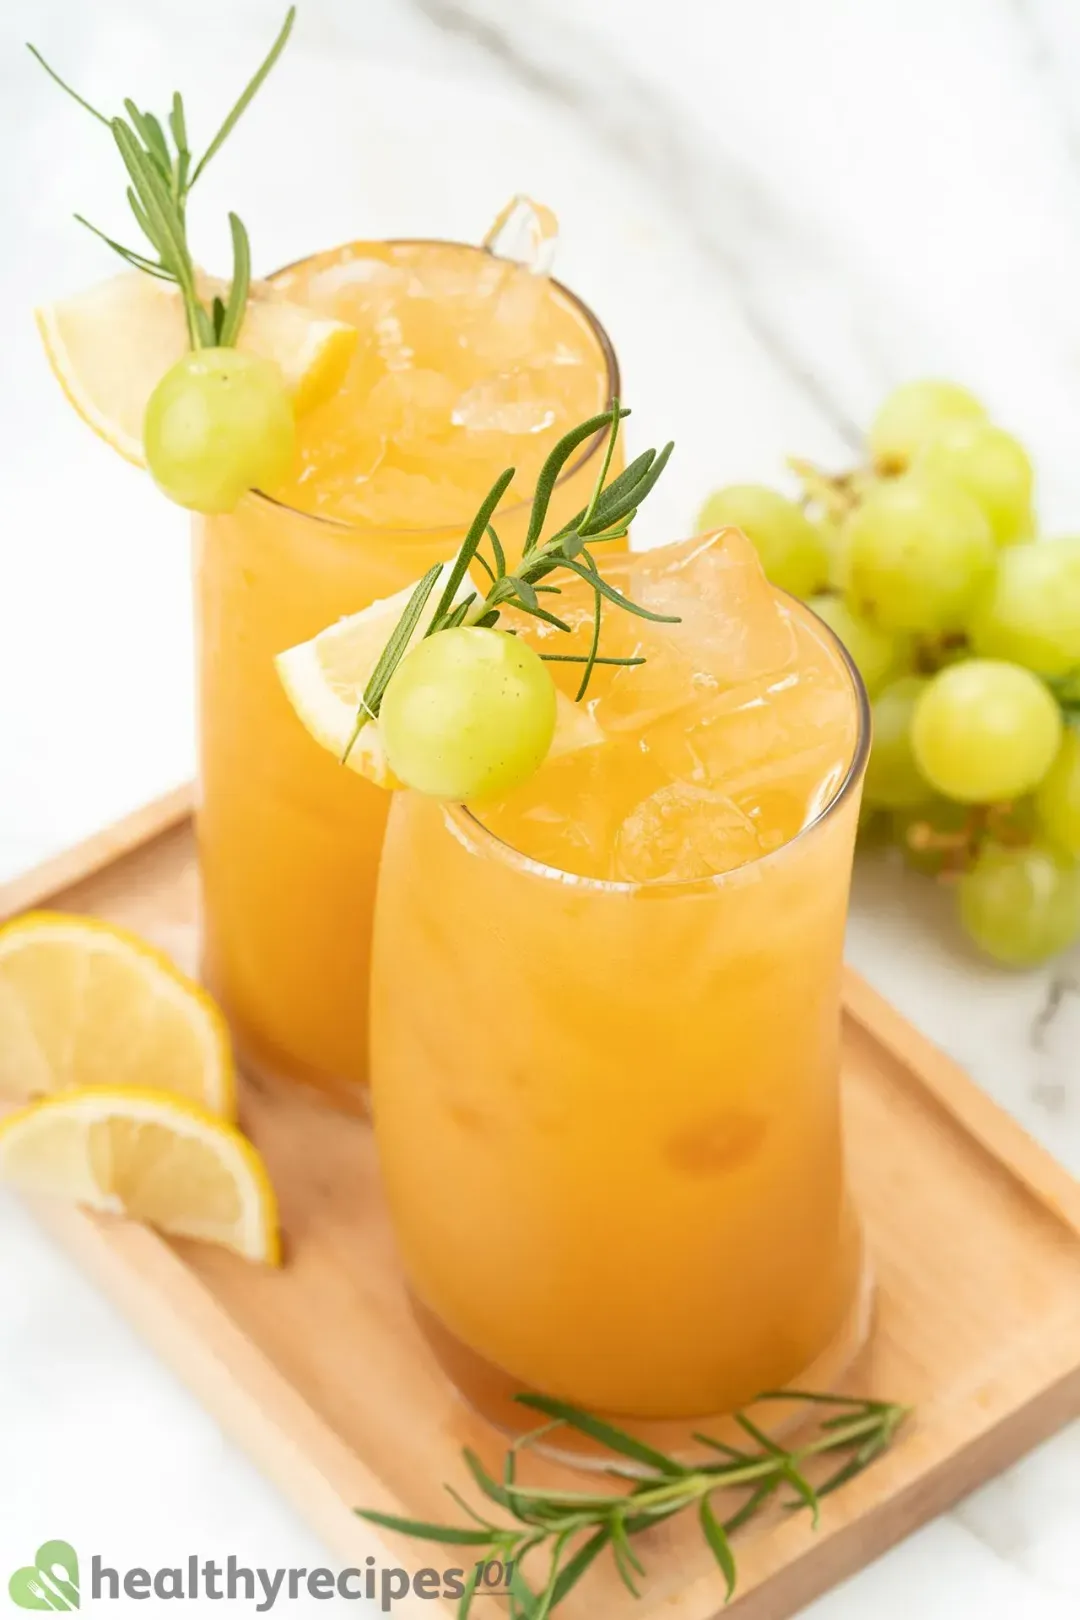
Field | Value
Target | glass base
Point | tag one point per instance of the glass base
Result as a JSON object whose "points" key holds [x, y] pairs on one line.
{"points": [[490, 1393]]}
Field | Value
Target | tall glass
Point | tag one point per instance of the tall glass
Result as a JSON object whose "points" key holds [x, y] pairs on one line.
{"points": [[288, 840], [609, 1116]]}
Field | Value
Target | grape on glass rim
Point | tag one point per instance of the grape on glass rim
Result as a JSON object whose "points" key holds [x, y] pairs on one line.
{"points": [[468, 714], [984, 731], [1021, 905], [990, 466], [793, 550], [893, 780], [1029, 611], [917, 552], [1057, 798], [218, 423], [877, 655], [912, 415]]}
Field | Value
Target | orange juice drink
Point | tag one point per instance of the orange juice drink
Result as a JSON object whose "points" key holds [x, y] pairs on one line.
{"points": [[606, 1021], [466, 364]]}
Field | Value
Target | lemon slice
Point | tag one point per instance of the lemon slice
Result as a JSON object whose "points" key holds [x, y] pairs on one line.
{"points": [[153, 1157], [325, 678], [85, 1004], [110, 345]]}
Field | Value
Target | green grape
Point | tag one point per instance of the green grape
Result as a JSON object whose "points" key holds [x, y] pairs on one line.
{"points": [[792, 549], [1057, 798], [468, 714], [985, 731], [1029, 611], [878, 656], [218, 423], [914, 413], [1021, 905], [933, 837], [893, 780], [992, 467], [918, 552]]}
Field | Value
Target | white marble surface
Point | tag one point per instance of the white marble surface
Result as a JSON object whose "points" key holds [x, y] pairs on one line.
{"points": [[778, 210]]}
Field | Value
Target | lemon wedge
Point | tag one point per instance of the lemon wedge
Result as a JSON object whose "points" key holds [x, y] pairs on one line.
{"points": [[85, 1004], [110, 345], [325, 678], [148, 1155]]}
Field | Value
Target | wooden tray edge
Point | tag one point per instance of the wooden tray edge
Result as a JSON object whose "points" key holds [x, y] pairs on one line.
{"points": [[101, 849]]}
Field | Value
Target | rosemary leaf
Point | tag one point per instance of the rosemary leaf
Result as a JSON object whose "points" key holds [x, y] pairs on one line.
{"points": [[609, 511], [553, 466], [392, 653], [444, 1533], [719, 1545], [606, 1434], [625, 1562], [594, 647], [178, 124], [465, 1605], [605, 465], [538, 612], [753, 1504], [152, 136], [580, 658], [249, 91], [497, 552], [241, 282], [138, 261], [74, 94], [600, 584], [575, 1567], [477, 529]]}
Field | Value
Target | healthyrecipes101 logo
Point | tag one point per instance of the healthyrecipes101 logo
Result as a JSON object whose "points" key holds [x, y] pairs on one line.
{"points": [[51, 1582]]}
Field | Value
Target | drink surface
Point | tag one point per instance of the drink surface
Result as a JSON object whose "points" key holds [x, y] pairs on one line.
{"points": [[729, 740], [609, 1116], [466, 364]]}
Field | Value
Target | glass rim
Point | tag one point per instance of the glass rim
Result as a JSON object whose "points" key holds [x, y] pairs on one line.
{"points": [[470, 830], [607, 349]]}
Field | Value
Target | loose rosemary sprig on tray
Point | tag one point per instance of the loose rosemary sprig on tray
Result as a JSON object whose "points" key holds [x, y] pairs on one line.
{"points": [[572, 1528], [162, 172], [608, 515]]}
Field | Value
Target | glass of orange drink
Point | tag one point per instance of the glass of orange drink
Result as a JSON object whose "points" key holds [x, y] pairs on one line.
{"points": [[466, 362], [606, 1014]]}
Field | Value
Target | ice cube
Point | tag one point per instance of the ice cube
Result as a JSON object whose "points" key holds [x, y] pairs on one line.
{"points": [[731, 628], [506, 403], [411, 404], [683, 832], [526, 232]]}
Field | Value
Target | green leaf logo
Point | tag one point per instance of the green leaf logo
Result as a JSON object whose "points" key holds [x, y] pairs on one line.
{"points": [[51, 1582]]}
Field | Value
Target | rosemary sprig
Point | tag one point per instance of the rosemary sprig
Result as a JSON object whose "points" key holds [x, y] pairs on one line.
{"points": [[161, 173], [571, 1529], [607, 516]]}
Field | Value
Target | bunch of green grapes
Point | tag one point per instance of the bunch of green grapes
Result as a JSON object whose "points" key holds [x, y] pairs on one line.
{"points": [[965, 628]]}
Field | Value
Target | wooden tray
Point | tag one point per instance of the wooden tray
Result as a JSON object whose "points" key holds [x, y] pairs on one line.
{"points": [[321, 1375]]}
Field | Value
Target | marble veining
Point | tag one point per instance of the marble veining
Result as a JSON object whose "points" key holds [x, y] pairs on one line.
{"points": [[778, 211]]}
